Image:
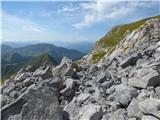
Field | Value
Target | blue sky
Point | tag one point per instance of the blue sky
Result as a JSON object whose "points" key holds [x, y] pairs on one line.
{"points": [[69, 21]]}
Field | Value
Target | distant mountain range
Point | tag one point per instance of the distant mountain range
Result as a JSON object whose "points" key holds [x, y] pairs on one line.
{"points": [[38, 49], [12, 59], [84, 46]]}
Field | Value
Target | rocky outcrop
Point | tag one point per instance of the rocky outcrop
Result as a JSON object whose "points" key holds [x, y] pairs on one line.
{"points": [[37, 103], [66, 68], [122, 86], [145, 78]]}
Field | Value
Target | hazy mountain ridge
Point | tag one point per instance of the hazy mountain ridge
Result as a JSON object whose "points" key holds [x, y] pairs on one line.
{"points": [[10, 58], [37, 49], [83, 46]]}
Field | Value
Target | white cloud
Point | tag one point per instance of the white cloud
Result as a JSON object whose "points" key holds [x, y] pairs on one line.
{"points": [[48, 14], [15, 28], [100, 11], [68, 8], [12, 22], [31, 29], [83, 38]]}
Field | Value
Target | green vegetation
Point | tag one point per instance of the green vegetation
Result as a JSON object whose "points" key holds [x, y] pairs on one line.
{"points": [[9, 53], [10, 58], [117, 34], [98, 55], [44, 59], [8, 70], [113, 38], [78, 62]]}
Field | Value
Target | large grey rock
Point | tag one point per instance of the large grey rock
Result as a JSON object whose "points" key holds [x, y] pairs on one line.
{"points": [[148, 117], [19, 85], [133, 109], [69, 90], [44, 72], [90, 112], [30, 69], [28, 81], [145, 77], [21, 76], [8, 88], [120, 114], [4, 100], [37, 103], [13, 94], [131, 60], [57, 83], [82, 97], [66, 68], [157, 89], [72, 109], [105, 117], [101, 77], [150, 106], [106, 84], [123, 97]]}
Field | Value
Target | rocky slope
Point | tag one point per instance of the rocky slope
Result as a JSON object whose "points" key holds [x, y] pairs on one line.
{"points": [[121, 38], [124, 85]]}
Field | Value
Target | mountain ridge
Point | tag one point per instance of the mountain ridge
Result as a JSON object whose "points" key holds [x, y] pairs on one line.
{"points": [[41, 48], [81, 46], [107, 44]]}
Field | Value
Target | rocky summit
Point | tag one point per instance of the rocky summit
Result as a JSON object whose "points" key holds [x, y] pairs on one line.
{"points": [[123, 84]]}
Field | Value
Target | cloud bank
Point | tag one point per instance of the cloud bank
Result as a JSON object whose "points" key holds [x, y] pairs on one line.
{"points": [[100, 11]]}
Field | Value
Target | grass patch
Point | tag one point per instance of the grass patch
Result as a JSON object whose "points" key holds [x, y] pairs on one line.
{"points": [[78, 62], [3, 79], [117, 33], [113, 38], [97, 56]]}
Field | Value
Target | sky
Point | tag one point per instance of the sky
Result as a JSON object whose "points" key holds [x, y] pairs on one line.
{"points": [[69, 21]]}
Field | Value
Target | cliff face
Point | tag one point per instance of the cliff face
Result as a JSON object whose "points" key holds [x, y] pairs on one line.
{"points": [[123, 85]]}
